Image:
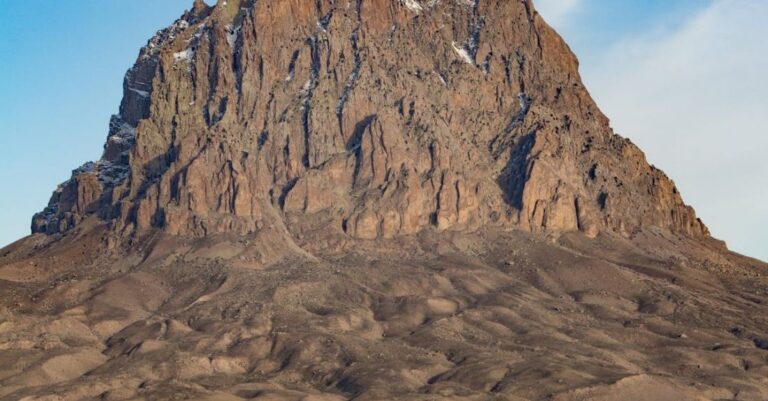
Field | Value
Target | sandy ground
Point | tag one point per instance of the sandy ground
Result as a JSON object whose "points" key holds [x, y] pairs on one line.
{"points": [[482, 316]]}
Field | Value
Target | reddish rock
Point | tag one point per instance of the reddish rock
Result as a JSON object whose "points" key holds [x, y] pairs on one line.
{"points": [[384, 117]]}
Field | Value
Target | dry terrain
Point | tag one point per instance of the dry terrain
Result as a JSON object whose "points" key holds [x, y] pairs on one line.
{"points": [[490, 315], [372, 200]]}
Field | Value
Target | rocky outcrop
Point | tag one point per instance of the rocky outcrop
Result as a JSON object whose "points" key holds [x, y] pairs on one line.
{"points": [[386, 117]]}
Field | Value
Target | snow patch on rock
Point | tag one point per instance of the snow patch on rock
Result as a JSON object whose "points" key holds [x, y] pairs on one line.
{"points": [[413, 5], [139, 92], [418, 6], [463, 53], [232, 34], [185, 54], [163, 37]]}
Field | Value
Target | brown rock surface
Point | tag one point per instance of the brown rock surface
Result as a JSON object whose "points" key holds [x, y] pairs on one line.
{"points": [[385, 117], [372, 200]]}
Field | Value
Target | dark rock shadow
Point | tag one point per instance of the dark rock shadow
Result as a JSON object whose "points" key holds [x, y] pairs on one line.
{"points": [[514, 175]]}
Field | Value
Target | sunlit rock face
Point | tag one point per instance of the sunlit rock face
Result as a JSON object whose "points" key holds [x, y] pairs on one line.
{"points": [[379, 118], [372, 200]]}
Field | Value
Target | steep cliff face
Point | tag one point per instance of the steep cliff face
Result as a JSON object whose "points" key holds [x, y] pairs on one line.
{"points": [[246, 234], [384, 117]]}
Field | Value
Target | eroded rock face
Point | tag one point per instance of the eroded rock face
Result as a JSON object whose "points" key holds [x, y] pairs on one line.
{"points": [[388, 117]]}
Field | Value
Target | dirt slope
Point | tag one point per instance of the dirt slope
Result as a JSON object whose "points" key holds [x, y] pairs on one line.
{"points": [[372, 200], [489, 315]]}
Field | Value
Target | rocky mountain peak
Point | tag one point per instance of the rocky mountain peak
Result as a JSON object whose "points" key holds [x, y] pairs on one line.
{"points": [[372, 200], [199, 7], [370, 119]]}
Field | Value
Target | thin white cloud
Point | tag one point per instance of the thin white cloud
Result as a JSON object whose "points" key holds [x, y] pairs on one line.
{"points": [[555, 12], [696, 100]]}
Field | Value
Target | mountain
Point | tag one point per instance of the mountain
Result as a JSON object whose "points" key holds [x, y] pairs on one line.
{"points": [[372, 200]]}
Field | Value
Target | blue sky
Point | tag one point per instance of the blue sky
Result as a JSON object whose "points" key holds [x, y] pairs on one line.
{"points": [[685, 80], [61, 76], [682, 78]]}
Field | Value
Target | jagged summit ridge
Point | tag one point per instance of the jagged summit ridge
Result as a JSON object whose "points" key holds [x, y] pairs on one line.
{"points": [[373, 118]]}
